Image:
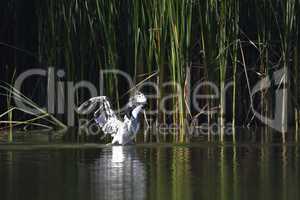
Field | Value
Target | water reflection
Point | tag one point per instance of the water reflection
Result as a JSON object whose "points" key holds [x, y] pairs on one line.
{"points": [[263, 171], [117, 154], [118, 174]]}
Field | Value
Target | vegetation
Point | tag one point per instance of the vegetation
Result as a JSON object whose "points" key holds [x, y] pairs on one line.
{"points": [[183, 41]]}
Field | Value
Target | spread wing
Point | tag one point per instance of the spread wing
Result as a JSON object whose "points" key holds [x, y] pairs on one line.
{"points": [[104, 115]]}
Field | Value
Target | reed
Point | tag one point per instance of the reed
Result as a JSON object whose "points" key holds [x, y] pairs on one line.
{"points": [[286, 35], [174, 38], [10, 114], [234, 60], [207, 28], [180, 14], [264, 21], [155, 24], [296, 59], [228, 41], [41, 118]]}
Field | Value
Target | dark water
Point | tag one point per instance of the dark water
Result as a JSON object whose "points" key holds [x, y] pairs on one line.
{"points": [[198, 171]]}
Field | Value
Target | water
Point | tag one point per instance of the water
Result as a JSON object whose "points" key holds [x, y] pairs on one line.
{"points": [[41, 166]]}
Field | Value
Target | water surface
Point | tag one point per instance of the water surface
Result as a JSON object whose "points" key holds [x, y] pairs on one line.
{"points": [[197, 171]]}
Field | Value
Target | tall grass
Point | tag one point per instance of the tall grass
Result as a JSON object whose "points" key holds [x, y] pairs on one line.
{"points": [[39, 118], [289, 11], [264, 34], [174, 38], [162, 31]]}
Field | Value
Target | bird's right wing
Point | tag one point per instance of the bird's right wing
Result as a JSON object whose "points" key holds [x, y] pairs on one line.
{"points": [[90, 105], [104, 116]]}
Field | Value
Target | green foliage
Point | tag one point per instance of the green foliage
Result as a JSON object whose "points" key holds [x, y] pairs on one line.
{"points": [[169, 37]]}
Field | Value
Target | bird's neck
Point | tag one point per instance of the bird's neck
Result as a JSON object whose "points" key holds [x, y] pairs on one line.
{"points": [[135, 112]]}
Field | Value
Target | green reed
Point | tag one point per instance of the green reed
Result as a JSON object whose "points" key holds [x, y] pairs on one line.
{"points": [[172, 37], [227, 37]]}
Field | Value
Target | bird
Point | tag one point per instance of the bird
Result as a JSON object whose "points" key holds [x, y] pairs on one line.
{"points": [[122, 129]]}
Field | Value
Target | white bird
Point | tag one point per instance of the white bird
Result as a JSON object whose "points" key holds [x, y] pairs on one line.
{"points": [[122, 131]]}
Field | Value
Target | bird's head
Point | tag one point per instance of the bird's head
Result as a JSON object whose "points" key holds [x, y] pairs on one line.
{"points": [[137, 99], [136, 104]]}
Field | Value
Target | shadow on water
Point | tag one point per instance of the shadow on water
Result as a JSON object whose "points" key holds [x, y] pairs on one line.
{"points": [[253, 170]]}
